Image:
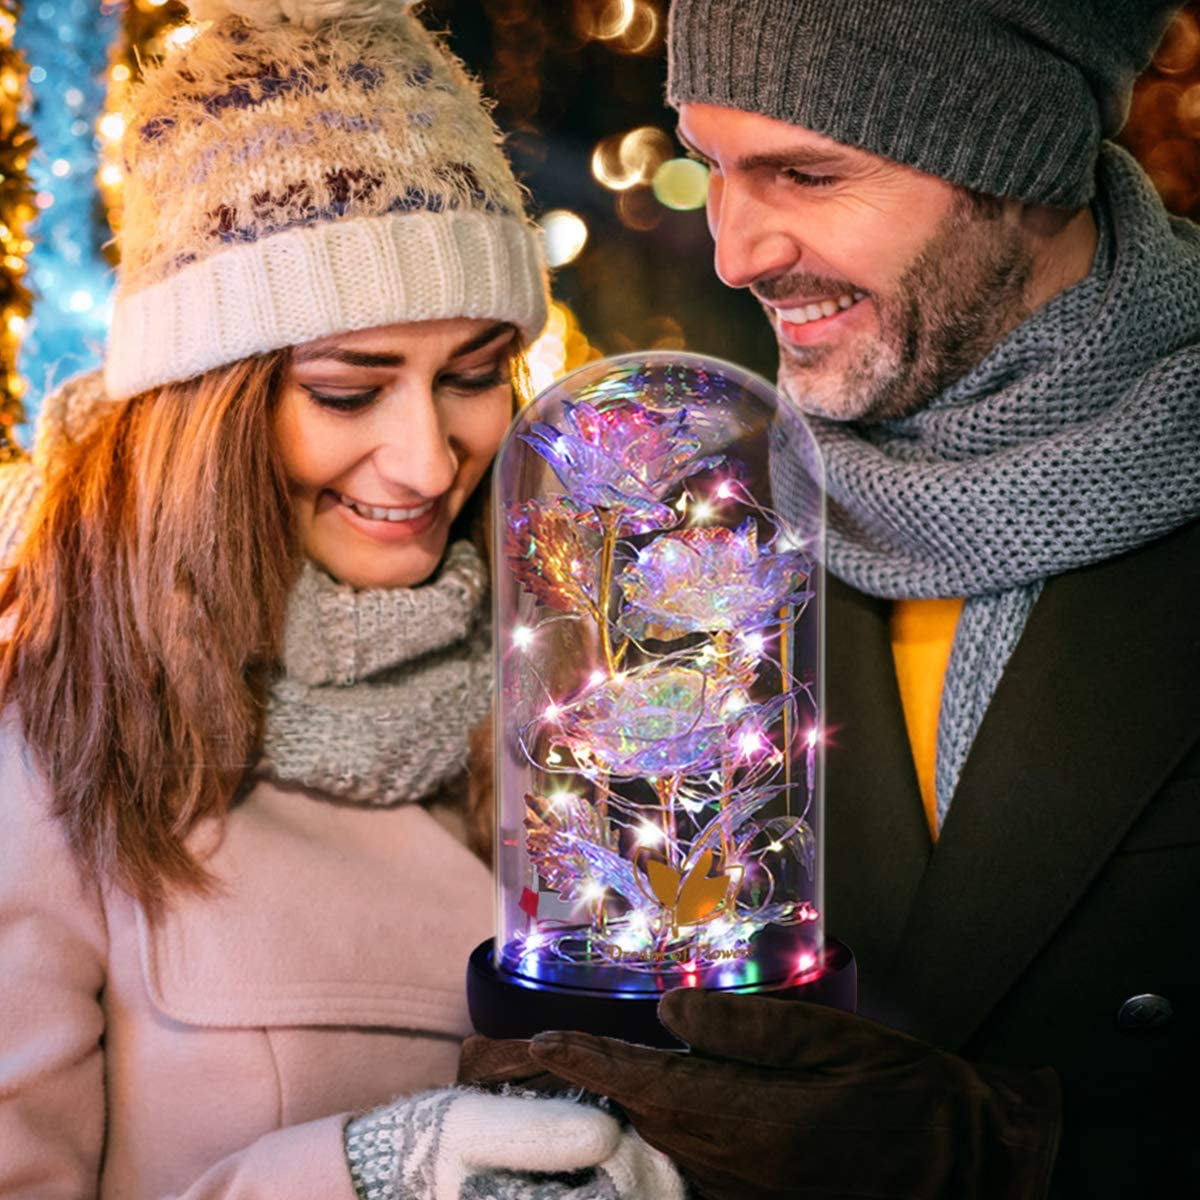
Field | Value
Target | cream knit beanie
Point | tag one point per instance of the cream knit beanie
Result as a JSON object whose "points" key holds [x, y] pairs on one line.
{"points": [[302, 168]]}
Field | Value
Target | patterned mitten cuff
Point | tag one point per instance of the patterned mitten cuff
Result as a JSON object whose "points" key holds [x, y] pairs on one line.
{"points": [[374, 1142], [426, 1147]]}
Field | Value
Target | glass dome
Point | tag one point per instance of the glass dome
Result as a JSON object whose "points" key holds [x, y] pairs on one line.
{"points": [[658, 623]]}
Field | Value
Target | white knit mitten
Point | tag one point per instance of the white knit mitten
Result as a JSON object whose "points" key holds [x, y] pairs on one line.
{"points": [[456, 1144]]}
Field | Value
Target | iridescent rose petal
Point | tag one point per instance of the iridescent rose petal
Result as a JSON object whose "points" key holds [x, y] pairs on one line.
{"points": [[658, 722], [553, 547], [709, 579], [624, 456]]}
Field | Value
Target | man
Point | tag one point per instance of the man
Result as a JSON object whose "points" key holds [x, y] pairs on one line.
{"points": [[994, 330]]}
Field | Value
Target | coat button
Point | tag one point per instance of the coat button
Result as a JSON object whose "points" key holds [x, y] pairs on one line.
{"points": [[1146, 1013]]}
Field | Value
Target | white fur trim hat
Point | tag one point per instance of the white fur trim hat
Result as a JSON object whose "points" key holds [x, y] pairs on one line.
{"points": [[302, 168]]}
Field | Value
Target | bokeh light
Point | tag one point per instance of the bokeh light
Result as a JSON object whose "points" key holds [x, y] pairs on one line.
{"points": [[681, 184], [632, 26], [561, 348], [1180, 48], [624, 160], [565, 234]]}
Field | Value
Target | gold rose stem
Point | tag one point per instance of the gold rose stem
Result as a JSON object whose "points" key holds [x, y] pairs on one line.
{"points": [[721, 639], [608, 521], [667, 790], [784, 671]]}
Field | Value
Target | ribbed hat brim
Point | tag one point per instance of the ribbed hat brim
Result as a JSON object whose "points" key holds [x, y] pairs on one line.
{"points": [[322, 279]]}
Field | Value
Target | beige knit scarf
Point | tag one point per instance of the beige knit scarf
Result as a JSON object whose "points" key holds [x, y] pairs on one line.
{"points": [[380, 688]]}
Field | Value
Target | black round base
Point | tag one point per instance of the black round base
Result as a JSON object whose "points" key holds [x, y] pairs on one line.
{"points": [[504, 1006]]}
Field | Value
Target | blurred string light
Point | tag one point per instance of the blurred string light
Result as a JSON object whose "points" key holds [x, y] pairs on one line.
{"points": [[625, 160], [16, 211], [641, 167], [1163, 130], [150, 29], [65, 43], [520, 38], [561, 348], [632, 26], [681, 184], [565, 234]]}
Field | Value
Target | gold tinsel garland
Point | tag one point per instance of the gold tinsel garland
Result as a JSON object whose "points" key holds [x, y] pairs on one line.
{"points": [[148, 29], [16, 211]]}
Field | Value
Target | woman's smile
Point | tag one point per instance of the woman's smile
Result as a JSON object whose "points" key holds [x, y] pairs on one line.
{"points": [[388, 523]]}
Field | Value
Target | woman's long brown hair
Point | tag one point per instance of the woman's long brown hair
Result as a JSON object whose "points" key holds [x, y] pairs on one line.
{"points": [[145, 611]]}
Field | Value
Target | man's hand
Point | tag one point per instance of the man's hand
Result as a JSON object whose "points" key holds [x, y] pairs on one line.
{"points": [[779, 1098]]}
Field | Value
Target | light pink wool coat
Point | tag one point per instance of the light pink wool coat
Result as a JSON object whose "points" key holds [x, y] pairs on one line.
{"points": [[219, 1052]]}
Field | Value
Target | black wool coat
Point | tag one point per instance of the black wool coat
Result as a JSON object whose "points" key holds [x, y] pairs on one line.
{"points": [[1066, 878]]}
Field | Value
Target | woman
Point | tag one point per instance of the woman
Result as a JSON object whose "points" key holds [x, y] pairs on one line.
{"points": [[246, 648]]}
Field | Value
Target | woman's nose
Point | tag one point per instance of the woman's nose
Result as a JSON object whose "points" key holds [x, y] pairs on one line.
{"points": [[414, 452]]}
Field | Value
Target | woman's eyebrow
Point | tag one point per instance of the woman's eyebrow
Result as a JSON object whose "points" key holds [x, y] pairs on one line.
{"points": [[352, 358], [482, 339]]}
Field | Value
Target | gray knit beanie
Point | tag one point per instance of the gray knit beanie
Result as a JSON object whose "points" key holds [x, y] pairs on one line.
{"points": [[1007, 97]]}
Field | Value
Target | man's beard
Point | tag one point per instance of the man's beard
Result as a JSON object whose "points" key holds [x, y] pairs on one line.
{"points": [[957, 300]]}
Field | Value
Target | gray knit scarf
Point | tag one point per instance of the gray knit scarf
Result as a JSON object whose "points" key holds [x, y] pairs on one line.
{"points": [[380, 687], [1076, 439]]}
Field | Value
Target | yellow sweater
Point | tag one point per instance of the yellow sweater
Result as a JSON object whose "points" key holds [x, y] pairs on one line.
{"points": [[922, 634]]}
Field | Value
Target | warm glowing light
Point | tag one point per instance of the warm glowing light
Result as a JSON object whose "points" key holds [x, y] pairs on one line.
{"points": [[751, 742], [597, 678], [112, 127], [775, 847], [649, 835], [120, 73], [561, 347], [522, 637], [813, 736], [614, 19], [806, 961], [753, 642], [110, 175], [180, 36], [562, 799], [703, 511], [591, 892], [565, 234], [623, 161], [725, 490], [16, 324], [681, 184], [552, 711]]}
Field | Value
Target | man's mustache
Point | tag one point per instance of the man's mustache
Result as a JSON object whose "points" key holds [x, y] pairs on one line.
{"points": [[799, 283]]}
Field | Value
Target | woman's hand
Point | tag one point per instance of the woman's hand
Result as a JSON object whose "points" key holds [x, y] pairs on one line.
{"points": [[457, 1144]]}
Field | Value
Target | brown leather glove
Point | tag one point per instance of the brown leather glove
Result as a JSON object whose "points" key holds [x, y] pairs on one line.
{"points": [[488, 1062], [779, 1098]]}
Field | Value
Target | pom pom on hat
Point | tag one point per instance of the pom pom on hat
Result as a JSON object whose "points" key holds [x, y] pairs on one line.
{"points": [[308, 14]]}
